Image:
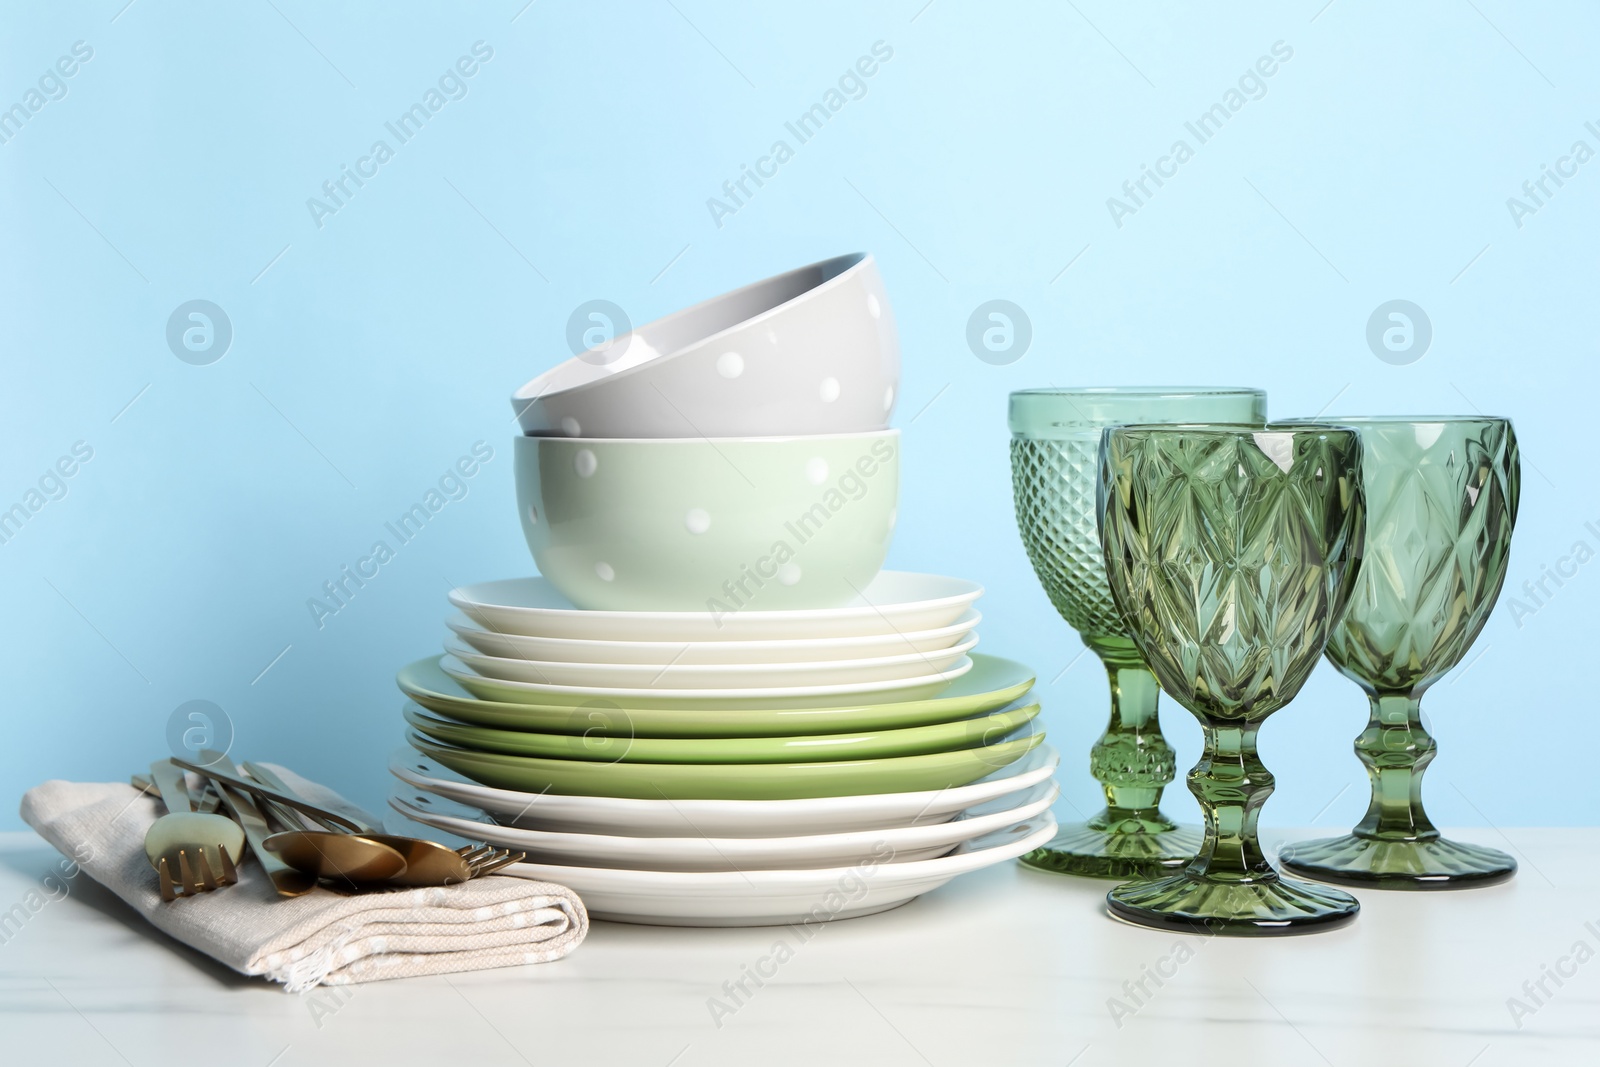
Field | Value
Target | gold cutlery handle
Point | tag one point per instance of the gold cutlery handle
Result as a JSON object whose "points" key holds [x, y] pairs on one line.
{"points": [[168, 779], [272, 781], [285, 879]]}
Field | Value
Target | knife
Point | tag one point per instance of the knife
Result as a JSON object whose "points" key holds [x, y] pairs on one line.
{"points": [[285, 879], [221, 771]]}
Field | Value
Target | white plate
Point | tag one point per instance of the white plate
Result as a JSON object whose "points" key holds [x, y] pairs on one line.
{"points": [[692, 852], [708, 653], [717, 676], [769, 898], [893, 602], [821, 696], [625, 817]]}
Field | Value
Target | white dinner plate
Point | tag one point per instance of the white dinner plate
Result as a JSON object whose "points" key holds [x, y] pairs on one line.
{"points": [[628, 817], [708, 653], [769, 898], [692, 852], [894, 690], [717, 676], [893, 602]]}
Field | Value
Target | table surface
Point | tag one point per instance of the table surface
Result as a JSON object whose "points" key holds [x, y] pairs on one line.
{"points": [[1007, 966]]}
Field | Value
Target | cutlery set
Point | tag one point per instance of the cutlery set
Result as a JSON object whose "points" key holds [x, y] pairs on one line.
{"points": [[297, 844]]}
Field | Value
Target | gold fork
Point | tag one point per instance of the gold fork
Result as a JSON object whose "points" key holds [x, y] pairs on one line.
{"points": [[170, 842]]}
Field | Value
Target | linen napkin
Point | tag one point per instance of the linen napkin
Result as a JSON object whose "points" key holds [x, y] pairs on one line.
{"points": [[324, 937]]}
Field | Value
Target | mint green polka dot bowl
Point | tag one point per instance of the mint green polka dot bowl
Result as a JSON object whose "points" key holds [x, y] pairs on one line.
{"points": [[720, 525]]}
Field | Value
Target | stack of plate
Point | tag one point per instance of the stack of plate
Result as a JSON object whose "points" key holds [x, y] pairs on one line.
{"points": [[761, 767]]}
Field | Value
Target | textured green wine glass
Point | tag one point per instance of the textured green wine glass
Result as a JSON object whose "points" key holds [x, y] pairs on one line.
{"points": [[1055, 468], [1230, 553], [1441, 496]]}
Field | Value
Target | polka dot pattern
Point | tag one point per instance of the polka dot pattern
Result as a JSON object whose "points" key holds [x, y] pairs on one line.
{"points": [[570, 427], [789, 573], [604, 571], [585, 463], [829, 390], [816, 470], [697, 520], [730, 365]]}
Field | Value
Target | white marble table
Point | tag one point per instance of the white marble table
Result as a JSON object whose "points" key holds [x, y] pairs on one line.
{"points": [[1003, 967]]}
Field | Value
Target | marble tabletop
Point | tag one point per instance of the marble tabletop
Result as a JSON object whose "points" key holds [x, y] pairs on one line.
{"points": [[1007, 966]]}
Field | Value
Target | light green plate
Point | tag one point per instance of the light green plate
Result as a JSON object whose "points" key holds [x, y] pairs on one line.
{"points": [[609, 748], [728, 781], [991, 683]]}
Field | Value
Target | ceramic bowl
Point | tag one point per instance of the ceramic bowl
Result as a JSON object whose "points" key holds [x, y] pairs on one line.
{"points": [[810, 351], [718, 526]]}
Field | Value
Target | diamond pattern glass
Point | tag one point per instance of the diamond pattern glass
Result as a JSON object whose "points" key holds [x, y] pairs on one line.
{"points": [[1441, 499], [1055, 468], [1230, 553]]}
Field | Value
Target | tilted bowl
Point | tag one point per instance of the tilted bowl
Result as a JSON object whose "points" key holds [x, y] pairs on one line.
{"points": [[810, 351]]}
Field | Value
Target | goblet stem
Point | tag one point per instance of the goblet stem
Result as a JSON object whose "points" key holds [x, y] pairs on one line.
{"points": [[1129, 837], [1132, 761], [1396, 748], [1230, 887], [1396, 845], [1231, 784]]}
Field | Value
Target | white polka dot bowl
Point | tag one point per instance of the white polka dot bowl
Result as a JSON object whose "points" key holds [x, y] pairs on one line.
{"points": [[810, 351], [715, 525]]}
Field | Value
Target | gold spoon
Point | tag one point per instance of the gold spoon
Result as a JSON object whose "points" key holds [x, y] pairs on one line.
{"points": [[427, 863], [339, 857], [352, 858], [342, 857]]}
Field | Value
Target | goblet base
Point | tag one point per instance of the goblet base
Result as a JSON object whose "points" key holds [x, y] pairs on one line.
{"points": [[1374, 863], [1130, 849], [1268, 907]]}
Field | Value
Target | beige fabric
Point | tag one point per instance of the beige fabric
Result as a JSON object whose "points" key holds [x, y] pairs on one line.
{"points": [[324, 937]]}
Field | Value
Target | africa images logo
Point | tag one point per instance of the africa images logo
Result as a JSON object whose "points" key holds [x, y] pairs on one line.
{"points": [[1252, 85], [736, 192], [452, 85], [51, 86], [453, 485]]}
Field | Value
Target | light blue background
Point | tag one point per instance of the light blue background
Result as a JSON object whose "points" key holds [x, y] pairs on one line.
{"points": [[375, 350]]}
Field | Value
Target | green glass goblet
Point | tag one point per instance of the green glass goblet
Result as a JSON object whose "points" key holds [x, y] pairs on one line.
{"points": [[1055, 467], [1230, 552], [1441, 496]]}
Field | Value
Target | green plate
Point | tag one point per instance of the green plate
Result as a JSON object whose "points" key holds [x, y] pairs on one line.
{"points": [[610, 748], [728, 781], [992, 683]]}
